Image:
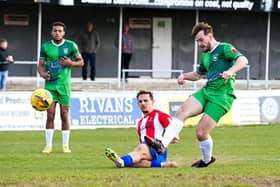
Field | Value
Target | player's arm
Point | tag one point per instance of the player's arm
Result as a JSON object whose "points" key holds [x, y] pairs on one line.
{"points": [[240, 63], [41, 66], [231, 53], [41, 70], [191, 76], [77, 62]]}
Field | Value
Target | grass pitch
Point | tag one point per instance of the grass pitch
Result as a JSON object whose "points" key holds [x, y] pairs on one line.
{"points": [[246, 156]]}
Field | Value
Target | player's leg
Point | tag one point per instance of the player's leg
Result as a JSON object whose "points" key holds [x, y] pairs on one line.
{"points": [[212, 114], [203, 129], [148, 163], [141, 152], [189, 108], [156, 161], [112, 155], [64, 101], [64, 113], [145, 157], [143, 164], [49, 128]]}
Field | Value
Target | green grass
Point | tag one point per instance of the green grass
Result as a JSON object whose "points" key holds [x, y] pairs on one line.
{"points": [[246, 156]]}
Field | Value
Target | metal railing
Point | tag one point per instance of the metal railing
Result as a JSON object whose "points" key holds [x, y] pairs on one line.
{"points": [[25, 62], [174, 71], [147, 71]]}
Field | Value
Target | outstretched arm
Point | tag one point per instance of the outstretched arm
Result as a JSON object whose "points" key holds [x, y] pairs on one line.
{"points": [[191, 76]]}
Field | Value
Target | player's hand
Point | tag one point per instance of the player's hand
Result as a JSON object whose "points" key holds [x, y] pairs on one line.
{"points": [[226, 74], [175, 140], [65, 61], [45, 75], [181, 79]]}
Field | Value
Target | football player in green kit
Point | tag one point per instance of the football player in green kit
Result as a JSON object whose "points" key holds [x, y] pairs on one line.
{"points": [[219, 63], [57, 57]]}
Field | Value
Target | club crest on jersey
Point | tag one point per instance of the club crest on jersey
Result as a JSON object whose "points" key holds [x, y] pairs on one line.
{"points": [[65, 51], [215, 57]]}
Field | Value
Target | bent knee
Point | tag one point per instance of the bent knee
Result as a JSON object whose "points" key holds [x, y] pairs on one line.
{"points": [[201, 134], [143, 147], [142, 150], [182, 114]]}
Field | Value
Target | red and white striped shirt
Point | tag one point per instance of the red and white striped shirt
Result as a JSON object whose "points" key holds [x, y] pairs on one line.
{"points": [[153, 125]]}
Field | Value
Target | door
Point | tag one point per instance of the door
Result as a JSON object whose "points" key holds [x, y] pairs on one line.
{"points": [[162, 47]]}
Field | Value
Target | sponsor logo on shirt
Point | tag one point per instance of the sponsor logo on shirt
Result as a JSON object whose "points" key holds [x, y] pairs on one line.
{"points": [[55, 65]]}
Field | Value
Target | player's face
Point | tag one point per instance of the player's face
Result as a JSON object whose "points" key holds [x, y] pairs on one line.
{"points": [[203, 41], [57, 33], [145, 103]]}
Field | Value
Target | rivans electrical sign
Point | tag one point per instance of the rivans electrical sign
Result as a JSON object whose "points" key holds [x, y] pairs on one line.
{"points": [[231, 5]]}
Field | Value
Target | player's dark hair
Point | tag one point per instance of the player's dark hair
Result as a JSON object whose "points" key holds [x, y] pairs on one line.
{"points": [[202, 26], [59, 23], [141, 92]]}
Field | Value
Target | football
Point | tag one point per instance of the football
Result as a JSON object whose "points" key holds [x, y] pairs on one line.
{"points": [[41, 99]]}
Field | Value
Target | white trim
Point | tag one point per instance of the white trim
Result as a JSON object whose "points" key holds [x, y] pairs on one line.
{"points": [[60, 44], [214, 47], [25, 62]]}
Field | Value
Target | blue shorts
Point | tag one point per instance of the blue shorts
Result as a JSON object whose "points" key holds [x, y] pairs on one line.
{"points": [[158, 157]]}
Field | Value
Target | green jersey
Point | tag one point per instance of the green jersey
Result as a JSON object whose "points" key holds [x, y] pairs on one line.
{"points": [[218, 94], [215, 62], [52, 53]]}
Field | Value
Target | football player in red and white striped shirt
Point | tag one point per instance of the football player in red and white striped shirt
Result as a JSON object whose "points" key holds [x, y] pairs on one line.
{"points": [[152, 124]]}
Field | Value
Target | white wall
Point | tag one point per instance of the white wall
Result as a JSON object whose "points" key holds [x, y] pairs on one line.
{"points": [[16, 113]]}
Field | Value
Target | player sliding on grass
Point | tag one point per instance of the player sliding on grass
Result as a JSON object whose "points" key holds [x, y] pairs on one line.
{"points": [[153, 123], [219, 62]]}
